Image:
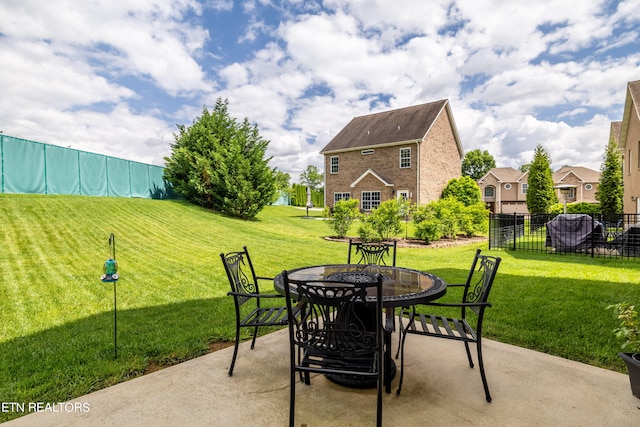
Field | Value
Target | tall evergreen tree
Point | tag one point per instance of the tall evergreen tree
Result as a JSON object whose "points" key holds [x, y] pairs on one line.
{"points": [[219, 163], [540, 193], [610, 189]]}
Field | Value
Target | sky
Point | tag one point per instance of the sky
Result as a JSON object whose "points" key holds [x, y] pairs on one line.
{"points": [[117, 77]]}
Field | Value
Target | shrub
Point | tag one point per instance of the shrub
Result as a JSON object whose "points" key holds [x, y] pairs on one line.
{"points": [[366, 233], [577, 208], [447, 218], [343, 214], [386, 219]]}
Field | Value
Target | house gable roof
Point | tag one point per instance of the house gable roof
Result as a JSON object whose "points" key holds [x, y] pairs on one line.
{"points": [[583, 174], [630, 107], [372, 173], [504, 175], [409, 124]]}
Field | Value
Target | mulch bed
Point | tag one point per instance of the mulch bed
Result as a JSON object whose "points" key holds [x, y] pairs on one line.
{"points": [[461, 240]]}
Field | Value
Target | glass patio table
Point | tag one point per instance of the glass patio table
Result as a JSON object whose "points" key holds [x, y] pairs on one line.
{"points": [[401, 287]]}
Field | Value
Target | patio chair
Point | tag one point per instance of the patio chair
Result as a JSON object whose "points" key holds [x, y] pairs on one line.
{"points": [[248, 300], [372, 253], [474, 300], [331, 336]]}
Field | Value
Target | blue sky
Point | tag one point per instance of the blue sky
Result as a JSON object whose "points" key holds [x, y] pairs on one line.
{"points": [[116, 77]]}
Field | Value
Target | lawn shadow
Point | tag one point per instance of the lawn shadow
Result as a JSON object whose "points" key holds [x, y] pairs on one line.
{"points": [[76, 358]]}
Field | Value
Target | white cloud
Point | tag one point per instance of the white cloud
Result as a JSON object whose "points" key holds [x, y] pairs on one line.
{"points": [[115, 76]]}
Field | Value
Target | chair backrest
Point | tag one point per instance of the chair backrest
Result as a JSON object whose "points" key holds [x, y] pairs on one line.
{"points": [[480, 279], [372, 253], [333, 322], [240, 272]]}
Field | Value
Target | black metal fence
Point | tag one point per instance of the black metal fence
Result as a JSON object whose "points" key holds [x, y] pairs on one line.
{"points": [[594, 235]]}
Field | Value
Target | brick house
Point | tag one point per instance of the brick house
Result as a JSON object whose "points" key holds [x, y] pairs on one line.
{"points": [[408, 153], [504, 190], [628, 139]]}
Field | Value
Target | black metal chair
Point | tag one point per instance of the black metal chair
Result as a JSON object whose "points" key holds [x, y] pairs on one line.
{"points": [[474, 300], [331, 335], [245, 290], [372, 253]]}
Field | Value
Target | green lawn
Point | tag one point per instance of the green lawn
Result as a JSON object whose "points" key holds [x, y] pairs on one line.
{"points": [[56, 328]]}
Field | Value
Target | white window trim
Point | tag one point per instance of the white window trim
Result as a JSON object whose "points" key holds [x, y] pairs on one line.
{"points": [[342, 196], [588, 187], [337, 164], [403, 195], [405, 149], [370, 201], [507, 186]]}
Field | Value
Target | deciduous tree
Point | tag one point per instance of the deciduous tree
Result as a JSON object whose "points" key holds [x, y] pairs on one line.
{"points": [[477, 163]]}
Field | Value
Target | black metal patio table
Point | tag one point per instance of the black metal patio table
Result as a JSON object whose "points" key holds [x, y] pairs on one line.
{"points": [[402, 287]]}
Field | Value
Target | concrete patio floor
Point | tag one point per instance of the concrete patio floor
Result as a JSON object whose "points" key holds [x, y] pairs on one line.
{"points": [[528, 389]]}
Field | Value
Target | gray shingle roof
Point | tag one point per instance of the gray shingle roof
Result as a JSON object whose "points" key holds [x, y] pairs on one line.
{"points": [[404, 124]]}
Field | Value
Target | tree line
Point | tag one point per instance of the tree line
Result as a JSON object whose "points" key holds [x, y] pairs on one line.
{"points": [[219, 163]]}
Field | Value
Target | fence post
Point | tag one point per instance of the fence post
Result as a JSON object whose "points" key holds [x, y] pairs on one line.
{"points": [[593, 236], [515, 229]]}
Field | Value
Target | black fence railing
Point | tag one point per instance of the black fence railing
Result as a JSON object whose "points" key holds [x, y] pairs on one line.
{"points": [[588, 234]]}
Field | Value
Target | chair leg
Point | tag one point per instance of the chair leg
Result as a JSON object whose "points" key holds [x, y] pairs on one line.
{"points": [[292, 399], [255, 335], [482, 374], [466, 346], [387, 362], [402, 338], [235, 350], [400, 331]]}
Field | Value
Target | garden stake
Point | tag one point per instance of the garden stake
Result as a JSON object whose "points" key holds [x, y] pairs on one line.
{"points": [[110, 270]]}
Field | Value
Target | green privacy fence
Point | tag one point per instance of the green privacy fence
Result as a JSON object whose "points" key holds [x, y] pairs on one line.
{"points": [[33, 167]]}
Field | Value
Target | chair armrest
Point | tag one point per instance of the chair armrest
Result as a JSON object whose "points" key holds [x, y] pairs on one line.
{"points": [[459, 304], [242, 294]]}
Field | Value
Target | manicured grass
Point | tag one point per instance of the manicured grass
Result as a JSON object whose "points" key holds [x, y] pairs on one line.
{"points": [[56, 328]]}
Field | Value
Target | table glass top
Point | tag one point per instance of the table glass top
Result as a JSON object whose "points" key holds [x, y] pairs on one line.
{"points": [[398, 283]]}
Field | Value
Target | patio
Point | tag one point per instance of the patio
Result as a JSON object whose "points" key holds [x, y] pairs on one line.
{"points": [[528, 388]]}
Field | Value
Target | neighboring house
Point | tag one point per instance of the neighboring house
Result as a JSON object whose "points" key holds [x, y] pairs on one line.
{"points": [[409, 153], [629, 144], [504, 190]]}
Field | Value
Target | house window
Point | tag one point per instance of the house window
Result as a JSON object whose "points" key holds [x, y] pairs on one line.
{"points": [[629, 163], [340, 196], [334, 164], [370, 200], [507, 186], [403, 195], [365, 152], [405, 158], [489, 192], [525, 187], [588, 187]]}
